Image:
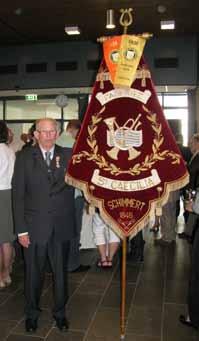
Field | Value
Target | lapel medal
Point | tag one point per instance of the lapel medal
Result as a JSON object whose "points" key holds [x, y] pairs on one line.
{"points": [[57, 161]]}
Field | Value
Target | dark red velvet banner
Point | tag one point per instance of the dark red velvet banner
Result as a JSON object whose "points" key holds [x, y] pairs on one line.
{"points": [[125, 159]]}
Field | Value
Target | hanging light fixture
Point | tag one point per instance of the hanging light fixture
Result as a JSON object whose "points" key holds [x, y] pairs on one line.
{"points": [[110, 23]]}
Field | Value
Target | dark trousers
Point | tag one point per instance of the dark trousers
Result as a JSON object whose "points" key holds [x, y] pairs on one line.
{"points": [[36, 256], [137, 248], [193, 293]]}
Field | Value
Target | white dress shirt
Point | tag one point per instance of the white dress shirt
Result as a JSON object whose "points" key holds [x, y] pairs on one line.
{"points": [[7, 160], [44, 152]]}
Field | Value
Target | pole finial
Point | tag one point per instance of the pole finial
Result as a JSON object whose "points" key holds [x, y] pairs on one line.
{"points": [[126, 18]]}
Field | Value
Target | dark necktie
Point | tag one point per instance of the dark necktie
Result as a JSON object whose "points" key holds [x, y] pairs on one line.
{"points": [[47, 158]]}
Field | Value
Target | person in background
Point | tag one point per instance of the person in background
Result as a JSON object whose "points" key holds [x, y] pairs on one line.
{"points": [[74, 264], [7, 160], [14, 141], [193, 168], [44, 219], [186, 154], [168, 221], [73, 128], [192, 318], [29, 139], [185, 151], [136, 248], [106, 241]]}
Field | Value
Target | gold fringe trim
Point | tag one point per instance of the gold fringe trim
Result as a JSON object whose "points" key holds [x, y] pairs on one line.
{"points": [[150, 214], [141, 73]]}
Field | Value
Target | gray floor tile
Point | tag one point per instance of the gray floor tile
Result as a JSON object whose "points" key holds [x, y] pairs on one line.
{"points": [[15, 337], [134, 337], [132, 272], [13, 308], [56, 335], [5, 328], [3, 296], [100, 338], [178, 271], [106, 324], [176, 291], [145, 321], [112, 297], [81, 309], [149, 293], [92, 286], [148, 275], [97, 274]]}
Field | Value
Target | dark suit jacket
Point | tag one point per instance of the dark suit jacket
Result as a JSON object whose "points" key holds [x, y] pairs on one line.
{"points": [[43, 203], [193, 168], [186, 153]]}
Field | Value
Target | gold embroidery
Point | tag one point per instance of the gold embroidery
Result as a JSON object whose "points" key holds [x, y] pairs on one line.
{"points": [[138, 168]]}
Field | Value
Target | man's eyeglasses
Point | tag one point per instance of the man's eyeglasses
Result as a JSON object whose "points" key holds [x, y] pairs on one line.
{"points": [[46, 132]]}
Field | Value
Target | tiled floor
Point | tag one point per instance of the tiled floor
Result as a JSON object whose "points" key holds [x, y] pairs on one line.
{"points": [[156, 295]]}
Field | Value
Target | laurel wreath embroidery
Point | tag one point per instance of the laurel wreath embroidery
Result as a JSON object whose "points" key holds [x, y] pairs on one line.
{"points": [[149, 160]]}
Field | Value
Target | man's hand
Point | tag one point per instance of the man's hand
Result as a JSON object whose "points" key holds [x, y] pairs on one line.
{"points": [[189, 206], [24, 240]]}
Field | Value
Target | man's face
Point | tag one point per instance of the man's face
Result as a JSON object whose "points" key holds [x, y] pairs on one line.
{"points": [[194, 145], [46, 134]]}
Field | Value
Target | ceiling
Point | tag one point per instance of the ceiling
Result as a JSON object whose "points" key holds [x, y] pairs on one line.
{"points": [[30, 22]]}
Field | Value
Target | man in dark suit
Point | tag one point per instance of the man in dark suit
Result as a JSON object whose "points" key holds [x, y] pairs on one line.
{"points": [[186, 154], [44, 219], [193, 168]]}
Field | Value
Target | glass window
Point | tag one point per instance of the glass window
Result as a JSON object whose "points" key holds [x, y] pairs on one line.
{"points": [[71, 111], [32, 110], [175, 100], [182, 115], [160, 99], [1, 110]]}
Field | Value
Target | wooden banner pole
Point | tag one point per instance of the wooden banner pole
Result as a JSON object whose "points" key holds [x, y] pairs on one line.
{"points": [[123, 290]]}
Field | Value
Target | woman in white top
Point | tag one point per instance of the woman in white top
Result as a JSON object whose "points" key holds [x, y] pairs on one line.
{"points": [[7, 159]]}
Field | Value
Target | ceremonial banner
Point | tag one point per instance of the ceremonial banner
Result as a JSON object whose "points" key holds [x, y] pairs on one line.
{"points": [[125, 159]]}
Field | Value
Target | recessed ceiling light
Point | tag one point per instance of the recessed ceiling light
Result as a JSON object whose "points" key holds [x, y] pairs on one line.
{"points": [[161, 9], [18, 11], [110, 24], [167, 24], [72, 30]]}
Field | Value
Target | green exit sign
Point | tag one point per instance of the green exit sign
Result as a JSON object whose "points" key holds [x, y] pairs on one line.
{"points": [[31, 97]]}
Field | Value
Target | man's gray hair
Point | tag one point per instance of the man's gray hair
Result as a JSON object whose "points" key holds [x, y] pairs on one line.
{"points": [[56, 124]]}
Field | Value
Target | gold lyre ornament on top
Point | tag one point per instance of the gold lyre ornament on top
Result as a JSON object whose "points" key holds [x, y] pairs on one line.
{"points": [[126, 18]]}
